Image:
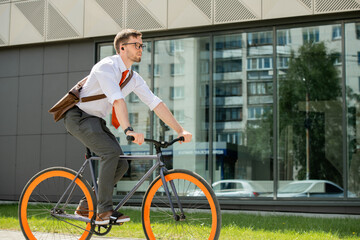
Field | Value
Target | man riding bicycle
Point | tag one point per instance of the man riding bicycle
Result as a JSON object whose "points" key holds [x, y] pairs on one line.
{"points": [[85, 120]]}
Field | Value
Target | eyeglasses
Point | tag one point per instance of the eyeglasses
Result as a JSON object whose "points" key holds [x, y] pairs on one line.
{"points": [[137, 45]]}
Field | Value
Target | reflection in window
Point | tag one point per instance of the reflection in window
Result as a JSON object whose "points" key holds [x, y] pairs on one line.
{"points": [[184, 78], [177, 69], [352, 64], [311, 35], [135, 67], [336, 32], [134, 118], [259, 63], [283, 62], [179, 115], [134, 98], [106, 50], [228, 42], [257, 112], [283, 37], [229, 114], [177, 92], [259, 38], [227, 90], [257, 75], [176, 46], [224, 66], [260, 88], [156, 70], [310, 113]]}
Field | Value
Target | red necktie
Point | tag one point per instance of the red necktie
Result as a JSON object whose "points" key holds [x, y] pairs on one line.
{"points": [[114, 120]]}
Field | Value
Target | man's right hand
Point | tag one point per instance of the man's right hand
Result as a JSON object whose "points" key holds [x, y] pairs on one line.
{"points": [[139, 137]]}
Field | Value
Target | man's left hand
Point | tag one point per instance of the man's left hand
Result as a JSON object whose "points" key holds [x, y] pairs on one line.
{"points": [[187, 135]]}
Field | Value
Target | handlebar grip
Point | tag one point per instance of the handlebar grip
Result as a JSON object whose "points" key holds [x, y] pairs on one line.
{"points": [[130, 138], [181, 139]]}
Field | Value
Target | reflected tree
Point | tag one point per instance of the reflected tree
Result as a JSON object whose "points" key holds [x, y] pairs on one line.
{"points": [[309, 110], [310, 115]]}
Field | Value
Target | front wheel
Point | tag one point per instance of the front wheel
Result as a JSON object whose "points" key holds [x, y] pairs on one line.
{"points": [[201, 218], [39, 219]]}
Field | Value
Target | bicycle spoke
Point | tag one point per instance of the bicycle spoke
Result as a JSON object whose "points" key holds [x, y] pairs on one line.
{"points": [[42, 220], [198, 221]]}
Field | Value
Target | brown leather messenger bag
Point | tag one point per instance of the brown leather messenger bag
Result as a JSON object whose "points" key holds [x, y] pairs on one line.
{"points": [[73, 97]]}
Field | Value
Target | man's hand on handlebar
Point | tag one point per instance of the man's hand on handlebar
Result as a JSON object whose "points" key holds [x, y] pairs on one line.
{"points": [[139, 137], [187, 135]]}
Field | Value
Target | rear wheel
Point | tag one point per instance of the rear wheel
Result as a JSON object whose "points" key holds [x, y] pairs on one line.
{"points": [[37, 214], [201, 219]]}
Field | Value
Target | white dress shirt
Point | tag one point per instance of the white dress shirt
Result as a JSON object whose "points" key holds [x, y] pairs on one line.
{"points": [[104, 78]]}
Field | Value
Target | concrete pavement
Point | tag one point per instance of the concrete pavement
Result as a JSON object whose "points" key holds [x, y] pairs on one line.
{"points": [[17, 235]]}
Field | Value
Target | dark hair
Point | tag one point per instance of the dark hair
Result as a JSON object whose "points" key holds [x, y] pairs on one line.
{"points": [[123, 36]]}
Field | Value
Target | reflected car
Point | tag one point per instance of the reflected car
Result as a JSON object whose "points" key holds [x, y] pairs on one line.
{"points": [[312, 188], [237, 188]]}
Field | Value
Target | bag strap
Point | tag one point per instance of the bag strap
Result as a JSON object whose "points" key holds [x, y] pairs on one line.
{"points": [[101, 96], [126, 80]]}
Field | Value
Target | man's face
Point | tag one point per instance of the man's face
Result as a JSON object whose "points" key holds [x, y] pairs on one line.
{"points": [[132, 49]]}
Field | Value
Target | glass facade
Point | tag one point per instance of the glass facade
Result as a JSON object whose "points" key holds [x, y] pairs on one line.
{"points": [[273, 112], [352, 69], [310, 129]]}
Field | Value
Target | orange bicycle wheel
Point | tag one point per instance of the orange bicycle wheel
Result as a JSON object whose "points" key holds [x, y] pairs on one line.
{"points": [[38, 201], [202, 215]]}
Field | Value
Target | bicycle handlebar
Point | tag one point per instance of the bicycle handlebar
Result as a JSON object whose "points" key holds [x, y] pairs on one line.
{"points": [[161, 144]]}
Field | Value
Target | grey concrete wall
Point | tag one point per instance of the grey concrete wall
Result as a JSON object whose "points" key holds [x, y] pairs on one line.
{"points": [[32, 79]]}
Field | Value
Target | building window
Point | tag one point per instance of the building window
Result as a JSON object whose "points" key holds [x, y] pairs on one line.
{"points": [[177, 92], [359, 58], [228, 90], [176, 46], [311, 35], [156, 70], [260, 88], [204, 67], [255, 113], [283, 37], [358, 30], [228, 66], [283, 62], [336, 32], [337, 58], [232, 137], [134, 118], [135, 68], [259, 38], [259, 63], [177, 69], [106, 50], [179, 116], [228, 42], [228, 114], [134, 98], [259, 75]]}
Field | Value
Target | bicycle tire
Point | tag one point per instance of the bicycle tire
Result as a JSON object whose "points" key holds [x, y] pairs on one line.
{"points": [[39, 197], [200, 205]]}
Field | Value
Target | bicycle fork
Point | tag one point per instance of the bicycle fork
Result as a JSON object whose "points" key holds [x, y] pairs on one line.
{"points": [[176, 216]]}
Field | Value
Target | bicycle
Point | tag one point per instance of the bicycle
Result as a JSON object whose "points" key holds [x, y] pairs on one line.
{"points": [[178, 204]]}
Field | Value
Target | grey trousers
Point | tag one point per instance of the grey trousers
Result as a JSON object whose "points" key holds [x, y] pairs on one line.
{"points": [[94, 134]]}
